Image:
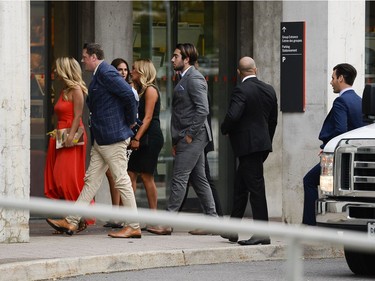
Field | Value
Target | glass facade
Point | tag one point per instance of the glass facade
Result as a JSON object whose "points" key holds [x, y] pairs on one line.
{"points": [[38, 112], [47, 42], [158, 26]]}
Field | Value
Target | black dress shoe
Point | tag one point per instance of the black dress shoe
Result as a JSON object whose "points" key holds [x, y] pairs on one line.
{"points": [[113, 225], [230, 237], [255, 241]]}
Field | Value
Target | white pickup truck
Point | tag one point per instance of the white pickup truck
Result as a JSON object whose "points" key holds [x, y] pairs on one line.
{"points": [[347, 184]]}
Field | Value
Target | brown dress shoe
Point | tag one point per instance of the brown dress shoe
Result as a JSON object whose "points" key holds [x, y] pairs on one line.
{"points": [[127, 232], [159, 230], [200, 232], [62, 226]]}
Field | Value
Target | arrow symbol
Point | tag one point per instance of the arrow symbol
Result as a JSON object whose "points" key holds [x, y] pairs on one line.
{"points": [[283, 29]]}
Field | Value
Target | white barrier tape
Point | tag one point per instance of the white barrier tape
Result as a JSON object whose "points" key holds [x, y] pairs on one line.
{"points": [[48, 207]]}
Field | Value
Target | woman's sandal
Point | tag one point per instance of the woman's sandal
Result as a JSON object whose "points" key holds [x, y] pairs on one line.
{"points": [[81, 226]]}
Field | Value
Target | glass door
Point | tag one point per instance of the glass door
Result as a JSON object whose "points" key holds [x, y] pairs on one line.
{"points": [[157, 27], [53, 33], [38, 94]]}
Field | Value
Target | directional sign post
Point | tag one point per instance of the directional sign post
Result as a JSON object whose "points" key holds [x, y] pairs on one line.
{"points": [[292, 70]]}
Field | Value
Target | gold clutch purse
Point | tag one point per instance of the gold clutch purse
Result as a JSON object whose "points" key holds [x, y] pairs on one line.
{"points": [[62, 135]]}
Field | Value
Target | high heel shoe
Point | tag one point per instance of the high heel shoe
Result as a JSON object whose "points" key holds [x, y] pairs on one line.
{"points": [[62, 226], [81, 226]]}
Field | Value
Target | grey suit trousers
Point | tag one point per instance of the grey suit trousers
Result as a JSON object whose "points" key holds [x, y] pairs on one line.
{"points": [[189, 162]]}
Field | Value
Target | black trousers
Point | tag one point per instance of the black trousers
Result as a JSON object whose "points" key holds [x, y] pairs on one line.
{"points": [[310, 186], [215, 193], [250, 181]]}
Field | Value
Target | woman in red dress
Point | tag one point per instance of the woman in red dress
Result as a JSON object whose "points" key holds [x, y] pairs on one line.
{"points": [[65, 167]]}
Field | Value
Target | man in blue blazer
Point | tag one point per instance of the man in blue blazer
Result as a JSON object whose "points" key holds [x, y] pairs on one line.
{"points": [[113, 110], [345, 115], [250, 122]]}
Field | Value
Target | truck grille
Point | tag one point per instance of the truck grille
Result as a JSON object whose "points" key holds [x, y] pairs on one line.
{"points": [[345, 171], [361, 212], [358, 170]]}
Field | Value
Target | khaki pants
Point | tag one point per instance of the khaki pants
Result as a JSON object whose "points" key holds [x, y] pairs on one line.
{"points": [[114, 157]]}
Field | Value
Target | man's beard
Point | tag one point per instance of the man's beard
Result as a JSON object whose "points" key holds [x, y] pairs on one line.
{"points": [[178, 68]]}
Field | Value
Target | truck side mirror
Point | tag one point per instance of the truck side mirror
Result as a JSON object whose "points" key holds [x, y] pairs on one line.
{"points": [[368, 103]]}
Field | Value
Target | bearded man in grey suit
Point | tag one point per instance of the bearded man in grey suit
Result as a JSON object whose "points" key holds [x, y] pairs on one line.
{"points": [[190, 134]]}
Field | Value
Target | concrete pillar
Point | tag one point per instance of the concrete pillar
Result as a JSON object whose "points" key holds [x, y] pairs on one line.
{"points": [[266, 22], [346, 39], [334, 34], [15, 116], [114, 31]]}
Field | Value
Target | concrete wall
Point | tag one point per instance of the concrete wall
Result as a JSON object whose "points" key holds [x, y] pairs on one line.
{"points": [[334, 34], [267, 17], [15, 116], [346, 40], [114, 29]]}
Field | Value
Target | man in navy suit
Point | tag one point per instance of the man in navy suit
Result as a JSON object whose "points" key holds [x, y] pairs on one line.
{"points": [[113, 110], [345, 115], [250, 123]]}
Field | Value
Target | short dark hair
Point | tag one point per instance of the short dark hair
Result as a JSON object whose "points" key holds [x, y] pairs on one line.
{"points": [[188, 50], [347, 71], [94, 48]]}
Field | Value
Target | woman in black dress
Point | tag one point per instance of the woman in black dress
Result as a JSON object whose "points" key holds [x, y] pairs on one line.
{"points": [[149, 140]]}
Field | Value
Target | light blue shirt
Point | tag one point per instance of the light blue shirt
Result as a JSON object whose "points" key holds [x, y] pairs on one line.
{"points": [[347, 89]]}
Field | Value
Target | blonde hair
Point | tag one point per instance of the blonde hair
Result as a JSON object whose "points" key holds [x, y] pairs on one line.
{"points": [[147, 72], [69, 70]]}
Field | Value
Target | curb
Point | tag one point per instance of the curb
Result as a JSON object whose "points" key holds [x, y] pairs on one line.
{"points": [[68, 267]]}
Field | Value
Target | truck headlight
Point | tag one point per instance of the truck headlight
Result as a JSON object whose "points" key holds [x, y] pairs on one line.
{"points": [[326, 174]]}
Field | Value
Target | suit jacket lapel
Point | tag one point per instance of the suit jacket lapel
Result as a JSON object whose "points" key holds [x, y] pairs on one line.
{"points": [[183, 78]]}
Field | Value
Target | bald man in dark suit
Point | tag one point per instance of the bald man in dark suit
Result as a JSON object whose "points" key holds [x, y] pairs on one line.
{"points": [[250, 123]]}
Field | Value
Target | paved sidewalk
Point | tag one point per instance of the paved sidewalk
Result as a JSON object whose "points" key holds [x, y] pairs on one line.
{"points": [[50, 256]]}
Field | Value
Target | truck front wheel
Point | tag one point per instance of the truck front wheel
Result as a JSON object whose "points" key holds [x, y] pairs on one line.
{"points": [[360, 263]]}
